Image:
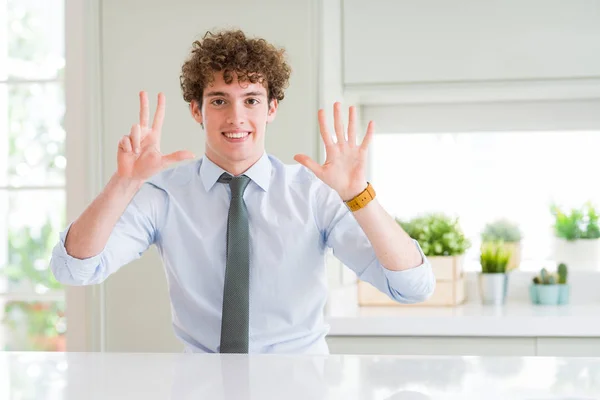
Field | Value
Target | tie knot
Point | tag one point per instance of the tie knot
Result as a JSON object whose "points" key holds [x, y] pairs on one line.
{"points": [[237, 184]]}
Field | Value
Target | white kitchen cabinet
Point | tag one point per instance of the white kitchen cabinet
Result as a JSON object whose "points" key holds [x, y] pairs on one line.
{"points": [[568, 347], [471, 346]]}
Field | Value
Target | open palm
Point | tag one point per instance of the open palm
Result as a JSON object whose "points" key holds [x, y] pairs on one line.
{"points": [[139, 156], [344, 169]]}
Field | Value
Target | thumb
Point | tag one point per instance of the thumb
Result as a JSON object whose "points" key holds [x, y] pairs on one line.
{"points": [[177, 156], [309, 163]]}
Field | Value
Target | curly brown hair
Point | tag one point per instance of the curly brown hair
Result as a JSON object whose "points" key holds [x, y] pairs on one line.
{"points": [[251, 60]]}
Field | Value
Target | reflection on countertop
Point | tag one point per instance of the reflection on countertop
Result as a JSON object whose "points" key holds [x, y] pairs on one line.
{"points": [[213, 376]]}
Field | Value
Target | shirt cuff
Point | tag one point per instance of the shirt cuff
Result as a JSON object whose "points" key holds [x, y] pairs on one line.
{"points": [[413, 284], [69, 269]]}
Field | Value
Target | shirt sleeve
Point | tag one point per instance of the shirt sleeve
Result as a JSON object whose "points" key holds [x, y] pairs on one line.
{"points": [[351, 246], [135, 231]]}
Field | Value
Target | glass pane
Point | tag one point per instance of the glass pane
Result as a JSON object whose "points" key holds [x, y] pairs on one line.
{"points": [[35, 145], [33, 36], [38, 326], [26, 246], [483, 176]]}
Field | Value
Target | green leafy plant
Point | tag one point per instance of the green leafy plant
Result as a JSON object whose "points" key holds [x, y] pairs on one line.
{"points": [[438, 234], [501, 230], [32, 325], [577, 223], [39, 326], [494, 258], [29, 255]]}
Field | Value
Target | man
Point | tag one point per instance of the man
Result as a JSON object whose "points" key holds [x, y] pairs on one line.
{"points": [[242, 236]]}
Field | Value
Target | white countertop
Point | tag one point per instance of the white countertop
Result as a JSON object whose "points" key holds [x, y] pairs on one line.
{"points": [[92, 376], [510, 320]]}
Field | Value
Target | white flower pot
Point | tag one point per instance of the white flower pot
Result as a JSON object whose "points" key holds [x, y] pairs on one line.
{"points": [[493, 288], [579, 255]]}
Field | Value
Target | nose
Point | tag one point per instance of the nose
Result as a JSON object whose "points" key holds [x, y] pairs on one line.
{"points": [[236, 114]]}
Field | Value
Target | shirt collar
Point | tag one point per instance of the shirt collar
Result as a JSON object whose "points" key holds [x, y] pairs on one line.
{"points": [[259, 173]]}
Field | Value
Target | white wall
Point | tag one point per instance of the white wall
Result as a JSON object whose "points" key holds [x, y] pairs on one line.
{"points": [[387, 41], [433, 65], [144, 43]]}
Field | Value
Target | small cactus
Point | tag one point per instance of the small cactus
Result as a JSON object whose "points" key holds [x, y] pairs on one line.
{"points": [[562, 273], [548, 278], [544, 276]]}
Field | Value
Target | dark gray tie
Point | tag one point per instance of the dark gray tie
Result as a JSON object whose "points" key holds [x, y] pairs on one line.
{"points": [[234, 323]]}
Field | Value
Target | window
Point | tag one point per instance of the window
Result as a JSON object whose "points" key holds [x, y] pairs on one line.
{"points": [[480, 176], [32, 172]]}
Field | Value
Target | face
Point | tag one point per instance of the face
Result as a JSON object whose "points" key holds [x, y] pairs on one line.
{"points": [[235, 117]]}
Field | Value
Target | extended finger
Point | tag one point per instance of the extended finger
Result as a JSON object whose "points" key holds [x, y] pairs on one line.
{"points": [[159, 116], [323, 128], [144, 110], [368, 136], [309, 163], [338, 123], [177, 156], [352, 126]]}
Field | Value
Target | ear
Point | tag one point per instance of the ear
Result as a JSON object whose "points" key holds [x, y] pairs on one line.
{"points": [[196, 112], [272, 110]]}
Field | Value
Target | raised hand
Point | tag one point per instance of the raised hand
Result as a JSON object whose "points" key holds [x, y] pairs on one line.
{"points": [[344, 169], [139, 156]]}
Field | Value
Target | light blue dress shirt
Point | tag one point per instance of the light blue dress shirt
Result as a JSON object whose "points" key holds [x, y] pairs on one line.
{"points": [[294, 217]]}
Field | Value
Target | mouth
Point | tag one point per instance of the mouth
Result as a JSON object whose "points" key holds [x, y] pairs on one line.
{"points": [[237, 136]]}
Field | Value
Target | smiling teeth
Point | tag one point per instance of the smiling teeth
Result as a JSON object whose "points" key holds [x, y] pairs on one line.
{"points": [[236, 135]]}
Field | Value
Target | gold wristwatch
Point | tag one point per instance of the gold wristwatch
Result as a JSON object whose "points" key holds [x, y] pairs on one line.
{"points": [[362, 199]]}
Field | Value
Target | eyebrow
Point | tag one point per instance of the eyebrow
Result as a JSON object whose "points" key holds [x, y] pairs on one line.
{"points": [[223, 94]]}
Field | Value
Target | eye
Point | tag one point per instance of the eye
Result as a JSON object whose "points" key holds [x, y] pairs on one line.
{"points": [[217, 102], [252, 102]]}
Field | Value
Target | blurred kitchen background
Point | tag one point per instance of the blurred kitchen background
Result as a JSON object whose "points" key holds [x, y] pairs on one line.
{"points": [[486, 150]]}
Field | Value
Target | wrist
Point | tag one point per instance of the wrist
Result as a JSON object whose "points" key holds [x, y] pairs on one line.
{"points": [[362, 199], [351, 193], [125, 183]]}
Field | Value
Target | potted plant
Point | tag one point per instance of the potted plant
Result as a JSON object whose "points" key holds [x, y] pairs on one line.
{"points": [[577, 237], [493, 278], [442, 241], [550, 289], [444, 244], [507, 232]]}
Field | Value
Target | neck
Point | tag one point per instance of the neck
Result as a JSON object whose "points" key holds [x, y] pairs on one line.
{"points": [[237, 167]]}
